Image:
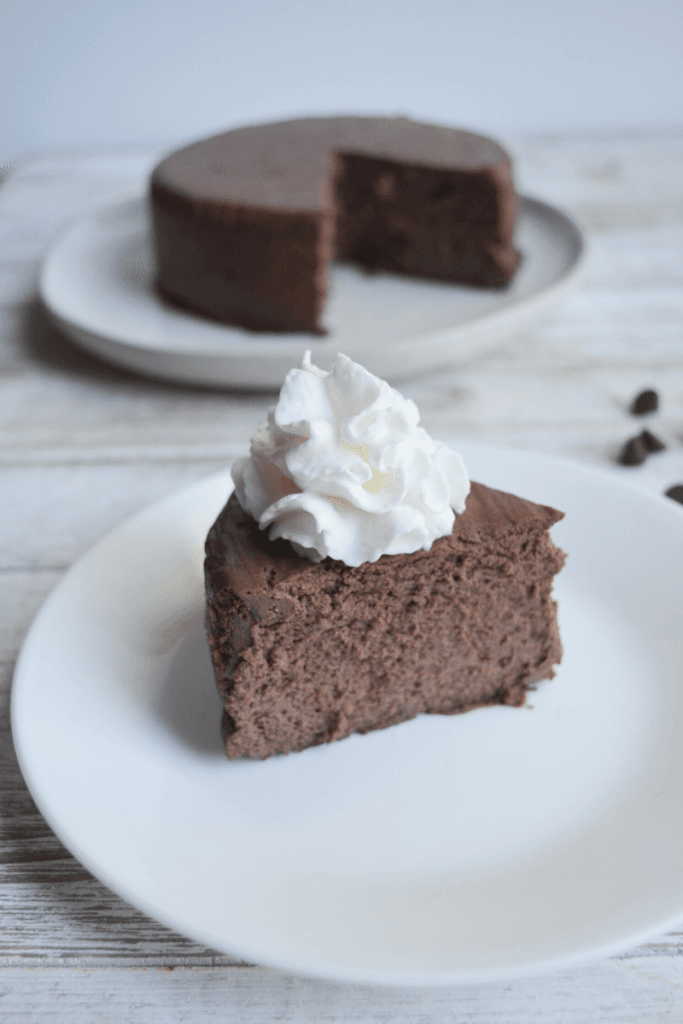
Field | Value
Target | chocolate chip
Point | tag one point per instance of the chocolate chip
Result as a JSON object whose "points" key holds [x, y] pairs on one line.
{"points": [[634, 452], [652, 443], [441, 191], [368, 253], [385, 186], [676, 492], [645, 402]]}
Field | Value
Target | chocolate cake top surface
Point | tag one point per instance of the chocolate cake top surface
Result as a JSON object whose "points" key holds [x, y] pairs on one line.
{"points": [[287, 165], [242, 558]]}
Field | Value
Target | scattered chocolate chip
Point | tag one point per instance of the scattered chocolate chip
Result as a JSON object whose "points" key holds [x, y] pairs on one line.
{"points": [[637, 449], [676, 492], [645, 402], [634, 452], [652, 443]]}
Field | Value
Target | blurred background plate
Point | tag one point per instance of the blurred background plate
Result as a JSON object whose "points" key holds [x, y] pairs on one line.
{"points": [[97, 283]]}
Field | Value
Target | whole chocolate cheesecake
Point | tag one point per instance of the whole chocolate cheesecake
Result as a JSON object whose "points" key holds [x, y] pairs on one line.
{"points": [[356, 578], [246, 223]]}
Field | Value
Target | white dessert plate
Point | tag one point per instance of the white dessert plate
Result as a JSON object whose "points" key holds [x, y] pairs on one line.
{"points": [[97, 283], [502, 842]]}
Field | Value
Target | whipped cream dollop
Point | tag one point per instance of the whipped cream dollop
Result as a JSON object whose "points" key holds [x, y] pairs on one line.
{"points": [[342, 470]]}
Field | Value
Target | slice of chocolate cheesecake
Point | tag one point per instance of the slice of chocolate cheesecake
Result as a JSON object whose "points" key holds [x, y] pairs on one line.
{"points": [[306, 653]]}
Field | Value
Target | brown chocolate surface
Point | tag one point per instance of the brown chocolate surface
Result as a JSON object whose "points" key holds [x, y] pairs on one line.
{"points": [[246, 223], [307, 653]]}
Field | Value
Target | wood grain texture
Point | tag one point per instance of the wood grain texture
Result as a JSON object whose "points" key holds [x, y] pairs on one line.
{"points": [[83, 445], [638, 990]]}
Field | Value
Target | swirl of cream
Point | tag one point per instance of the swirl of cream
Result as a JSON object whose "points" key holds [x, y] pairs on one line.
{"points": [[342, 470]]}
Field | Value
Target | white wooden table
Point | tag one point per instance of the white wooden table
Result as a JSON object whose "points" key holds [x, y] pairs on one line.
{"points": [[83, 445]]}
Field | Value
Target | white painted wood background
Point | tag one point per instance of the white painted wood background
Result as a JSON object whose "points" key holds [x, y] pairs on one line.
{"points": [[83, 445]]}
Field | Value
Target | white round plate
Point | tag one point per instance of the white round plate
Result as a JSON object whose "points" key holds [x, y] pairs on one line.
{"points": [[97, 284], [447, 849]]}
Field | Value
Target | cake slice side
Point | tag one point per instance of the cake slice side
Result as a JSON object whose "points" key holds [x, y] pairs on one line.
{"points": [[309, 653]]}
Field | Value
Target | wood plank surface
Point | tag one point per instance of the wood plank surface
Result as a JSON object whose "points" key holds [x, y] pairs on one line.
{"points": [[84, 445], [637, 990]]}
